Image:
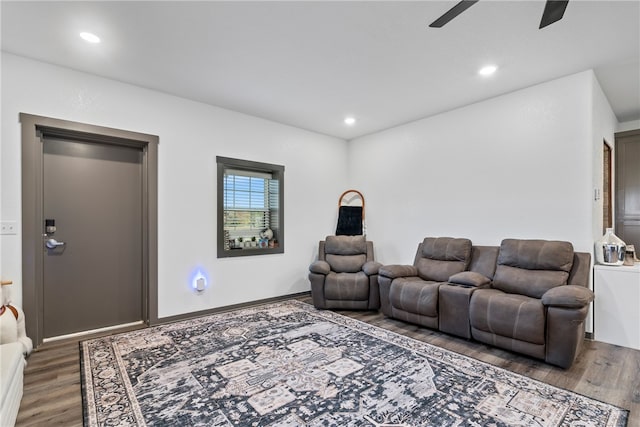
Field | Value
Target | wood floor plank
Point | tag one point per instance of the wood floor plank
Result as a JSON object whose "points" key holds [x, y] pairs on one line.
{"points": [[605, 372]]}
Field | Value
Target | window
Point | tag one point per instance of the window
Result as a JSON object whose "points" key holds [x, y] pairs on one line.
{"points": [[250, 208]]}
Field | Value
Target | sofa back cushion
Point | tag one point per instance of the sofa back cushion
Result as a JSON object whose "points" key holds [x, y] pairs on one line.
{"points": [[532, 267], [581, 269], [483, 260], [439, 258], [345, 254]]}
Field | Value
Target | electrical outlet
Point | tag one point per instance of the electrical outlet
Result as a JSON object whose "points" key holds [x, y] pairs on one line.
{"points": [[8, 227]]}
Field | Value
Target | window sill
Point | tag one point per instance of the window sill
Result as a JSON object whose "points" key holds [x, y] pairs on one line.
{"points": [[240, 252]]}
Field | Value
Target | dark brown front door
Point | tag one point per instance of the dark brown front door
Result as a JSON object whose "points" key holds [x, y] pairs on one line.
{"points": [[92, 271], [628, 187]]}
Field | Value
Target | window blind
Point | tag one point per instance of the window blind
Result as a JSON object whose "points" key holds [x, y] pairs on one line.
{"points": [[247, 200]]}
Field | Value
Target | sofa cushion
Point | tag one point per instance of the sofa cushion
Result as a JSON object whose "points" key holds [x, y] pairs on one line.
{"points": [[469, 278], [371, 267], [508, 315], [442, 257], [345, 254], [345, 245], [395, 270], [570, 296], [346, 263], [415, 296], [484, 259], [345, 286], [320, 267], [532, 267], [536, 254]]}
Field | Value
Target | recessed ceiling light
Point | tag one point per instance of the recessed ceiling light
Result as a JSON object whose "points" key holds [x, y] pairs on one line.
{"points": [[91, 38], [350, 121], [487, 70]]}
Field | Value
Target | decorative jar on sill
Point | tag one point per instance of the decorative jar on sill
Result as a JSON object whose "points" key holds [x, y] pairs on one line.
{"points": [[610, 249]]}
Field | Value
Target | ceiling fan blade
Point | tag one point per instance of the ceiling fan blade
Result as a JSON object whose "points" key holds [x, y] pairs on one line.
{"points": [[453, 12], [553, 11]]}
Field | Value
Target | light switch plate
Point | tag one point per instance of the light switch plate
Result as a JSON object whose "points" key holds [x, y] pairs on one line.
{"points": [[8, 227]]}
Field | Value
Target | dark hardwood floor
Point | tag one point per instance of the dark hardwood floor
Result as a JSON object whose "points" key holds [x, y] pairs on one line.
{"points": [[605, 372]]}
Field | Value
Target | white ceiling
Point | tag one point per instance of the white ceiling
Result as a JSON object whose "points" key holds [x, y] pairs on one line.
{"points": [[310, 64]]}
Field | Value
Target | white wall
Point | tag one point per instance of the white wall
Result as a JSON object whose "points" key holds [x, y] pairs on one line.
{"points": [[191, 136], [625, 126], [519, 165], [604, 125]]}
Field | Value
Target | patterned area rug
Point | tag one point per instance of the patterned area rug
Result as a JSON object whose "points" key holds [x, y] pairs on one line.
{"points": [[288, 364]]}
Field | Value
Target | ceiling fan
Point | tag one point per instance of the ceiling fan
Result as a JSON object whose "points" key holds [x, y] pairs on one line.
{"points": [[553, 11]]}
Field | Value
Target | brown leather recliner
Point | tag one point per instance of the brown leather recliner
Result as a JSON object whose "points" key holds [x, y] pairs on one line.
{"points": [[410, 292], [345, 276], [538, 301]]}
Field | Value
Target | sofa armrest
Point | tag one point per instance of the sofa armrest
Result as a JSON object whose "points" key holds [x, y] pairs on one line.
{"points": [[469, 278], [394, 271], [371, 267], [568, 296], [320, 267]]}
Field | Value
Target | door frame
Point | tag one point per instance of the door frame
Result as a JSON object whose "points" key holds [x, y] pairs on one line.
{"points": [[607, 186], [34, 130]]}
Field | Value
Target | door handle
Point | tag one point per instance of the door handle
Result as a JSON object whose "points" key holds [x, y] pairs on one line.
{"points": [[53, 243]]}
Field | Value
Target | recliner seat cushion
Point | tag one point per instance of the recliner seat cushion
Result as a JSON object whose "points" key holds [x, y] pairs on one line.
{"points": [[347, 286], [442, 257], [509, 315], [415, 296], [532, 267]]}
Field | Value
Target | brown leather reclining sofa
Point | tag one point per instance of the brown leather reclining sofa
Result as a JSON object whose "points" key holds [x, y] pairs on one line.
{"points": [[527, 296]]}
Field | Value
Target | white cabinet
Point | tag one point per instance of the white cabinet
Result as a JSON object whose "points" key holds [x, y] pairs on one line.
{"points": [[617, 305]]}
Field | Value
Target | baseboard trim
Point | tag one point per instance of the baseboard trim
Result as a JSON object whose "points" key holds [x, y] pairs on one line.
{"points": [[194, 314], [93, 331]]}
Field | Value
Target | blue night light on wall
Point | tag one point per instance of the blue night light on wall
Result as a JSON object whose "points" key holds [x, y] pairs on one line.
{"points": [[199, 280]]}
